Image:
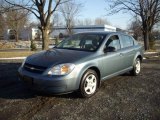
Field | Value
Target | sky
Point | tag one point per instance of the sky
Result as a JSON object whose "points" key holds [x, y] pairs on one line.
{"points": [[97, 8]]}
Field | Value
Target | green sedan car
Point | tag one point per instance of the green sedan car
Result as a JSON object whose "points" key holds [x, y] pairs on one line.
{"points": [[81, 62]]}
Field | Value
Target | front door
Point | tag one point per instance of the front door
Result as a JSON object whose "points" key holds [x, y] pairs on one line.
{"points": [[112, 61]]}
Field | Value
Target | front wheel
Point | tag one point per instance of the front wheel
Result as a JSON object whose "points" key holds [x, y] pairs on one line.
{"points": [[136, 67], [89, 84]]}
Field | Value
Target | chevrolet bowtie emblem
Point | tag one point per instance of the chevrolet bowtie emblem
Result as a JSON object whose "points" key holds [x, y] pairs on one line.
{"points": [[32, 68]]}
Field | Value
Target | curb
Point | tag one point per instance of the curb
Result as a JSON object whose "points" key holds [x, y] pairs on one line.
{"points": [[13, 58]]}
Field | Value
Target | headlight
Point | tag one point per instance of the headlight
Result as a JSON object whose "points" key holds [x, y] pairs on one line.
{"points": [[23, 62], [61, 69]]}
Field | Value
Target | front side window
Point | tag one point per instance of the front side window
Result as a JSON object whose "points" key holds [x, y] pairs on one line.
{"points": [[113, 41], [83, 41]]}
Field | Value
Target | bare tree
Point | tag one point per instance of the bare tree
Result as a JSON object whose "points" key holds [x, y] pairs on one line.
{"points": [[70, 11], [147, 10], [84, 22], [88, 21], [1, 4], [43, 10], [57, 20], [34, 24], [16, 20], [136, 27], [101, 21], [158, 26], [96, 21], [79, 22], [2, 25], [2, 19], [2, 7]]}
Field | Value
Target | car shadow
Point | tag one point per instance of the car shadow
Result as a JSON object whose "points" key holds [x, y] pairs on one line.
{"points": [[12, 88], [126, 74]]}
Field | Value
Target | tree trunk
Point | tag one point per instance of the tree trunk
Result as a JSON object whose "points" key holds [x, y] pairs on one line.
{"points": [[146, 40], [16, 36], [45, 39]]}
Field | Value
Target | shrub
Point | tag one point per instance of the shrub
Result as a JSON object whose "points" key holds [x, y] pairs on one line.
{"points": [[56, 41], [33, 46]]}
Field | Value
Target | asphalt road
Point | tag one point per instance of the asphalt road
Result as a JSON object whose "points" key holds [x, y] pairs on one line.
{"points": [[122, 97]]}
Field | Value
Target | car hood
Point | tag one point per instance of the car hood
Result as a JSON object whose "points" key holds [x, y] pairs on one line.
{"points": [[56, 56]]}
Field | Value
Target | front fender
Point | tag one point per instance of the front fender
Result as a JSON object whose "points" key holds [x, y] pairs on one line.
{"points": [[84, 67]]}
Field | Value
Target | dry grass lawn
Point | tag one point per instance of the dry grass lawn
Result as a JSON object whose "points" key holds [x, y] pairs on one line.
{"points": [[15, 54]]}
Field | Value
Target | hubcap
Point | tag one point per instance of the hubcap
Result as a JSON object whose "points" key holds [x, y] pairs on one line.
{"points": [[90, 84], [138, 66]]}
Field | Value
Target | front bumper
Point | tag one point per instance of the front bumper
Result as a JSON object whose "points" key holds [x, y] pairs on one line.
{"points": [[51, 84]]}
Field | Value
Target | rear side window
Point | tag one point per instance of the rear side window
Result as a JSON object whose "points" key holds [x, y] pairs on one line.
{"points": [[126, 41]]}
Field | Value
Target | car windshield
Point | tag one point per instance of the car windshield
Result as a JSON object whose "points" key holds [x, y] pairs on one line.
{"points": [[82, 41]]}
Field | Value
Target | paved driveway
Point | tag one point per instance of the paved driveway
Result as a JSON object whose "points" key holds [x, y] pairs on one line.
{"points": [[122, 97]]}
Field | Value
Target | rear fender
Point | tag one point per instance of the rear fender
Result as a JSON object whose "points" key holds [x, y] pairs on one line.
{"points": [[135, 57]]}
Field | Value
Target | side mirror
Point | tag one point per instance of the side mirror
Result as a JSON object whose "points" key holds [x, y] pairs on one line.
{"points": [[109, 49]]}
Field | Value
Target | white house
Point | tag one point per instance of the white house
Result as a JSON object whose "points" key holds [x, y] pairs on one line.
{"points": [[26, 33], [30, 34]]}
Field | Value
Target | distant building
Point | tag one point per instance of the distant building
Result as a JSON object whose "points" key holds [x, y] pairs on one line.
{"points": [[9, 34], [29, 33], [26, 33], [63, 30]]}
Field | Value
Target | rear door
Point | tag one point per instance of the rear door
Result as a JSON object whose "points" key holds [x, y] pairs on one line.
{"points": [[127, 50]]}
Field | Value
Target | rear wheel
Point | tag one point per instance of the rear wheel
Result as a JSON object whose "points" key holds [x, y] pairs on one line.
{"points": [[136, 67], [89, 83]]}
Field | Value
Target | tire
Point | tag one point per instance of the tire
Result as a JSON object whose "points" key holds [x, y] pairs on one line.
{"points": [[136, 67], [89, 84]]}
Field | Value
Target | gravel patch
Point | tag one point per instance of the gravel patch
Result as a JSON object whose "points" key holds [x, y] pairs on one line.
{"points": [[122, 97]]}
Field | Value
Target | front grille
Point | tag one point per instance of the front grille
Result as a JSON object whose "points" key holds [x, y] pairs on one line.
{"points": [[34, 68]]}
